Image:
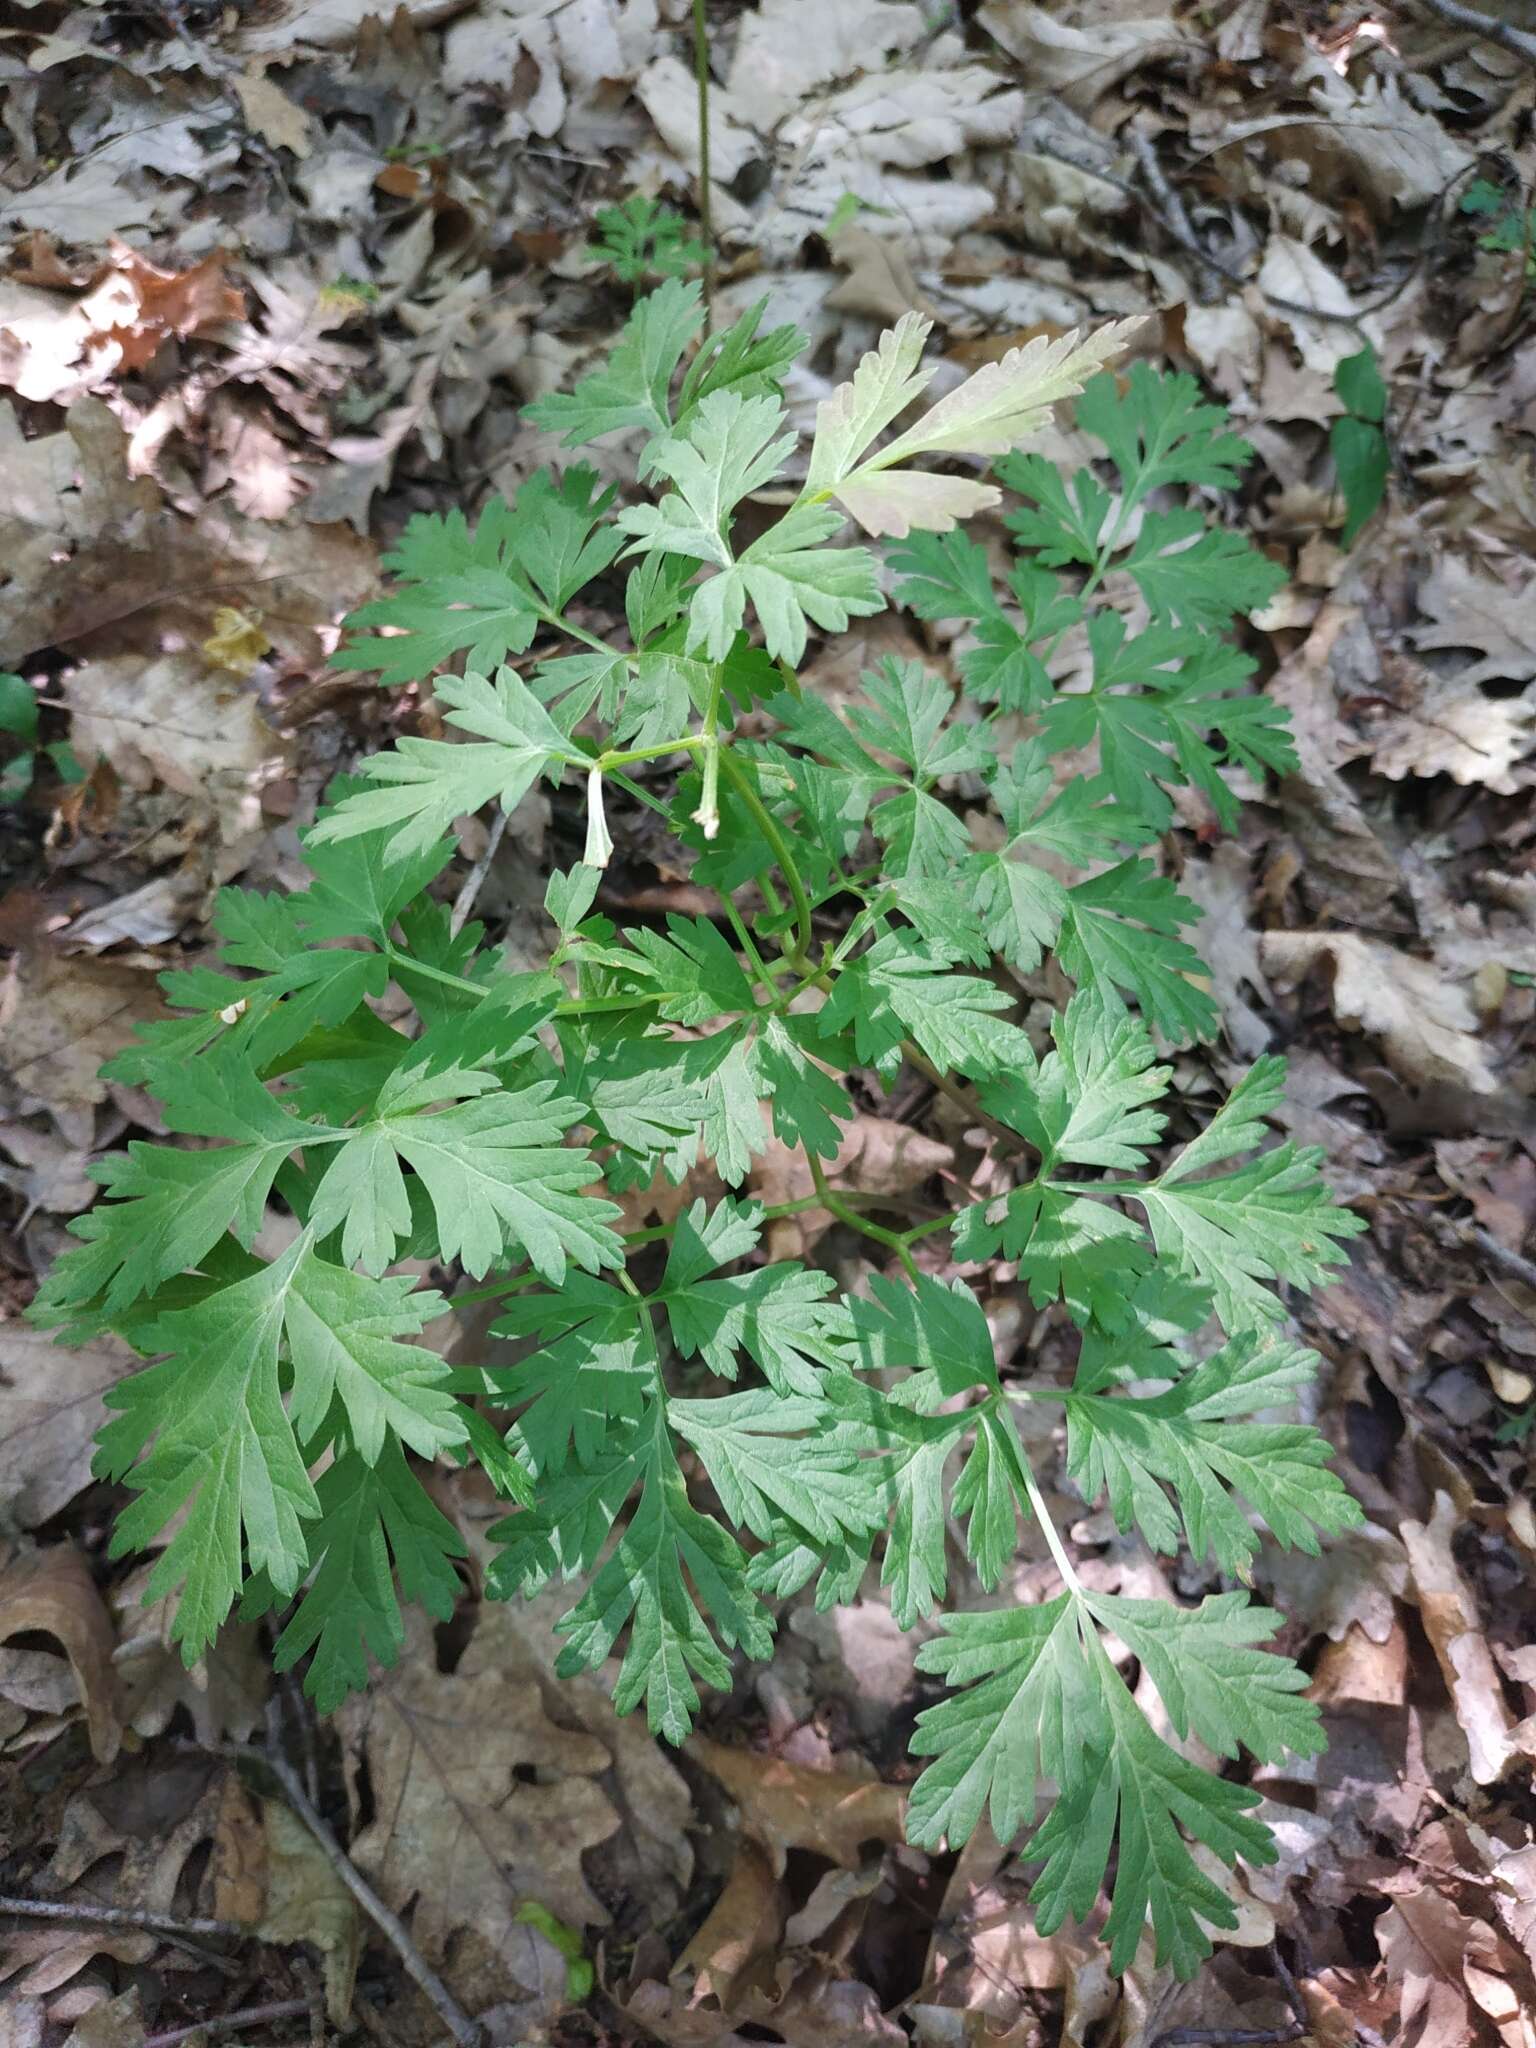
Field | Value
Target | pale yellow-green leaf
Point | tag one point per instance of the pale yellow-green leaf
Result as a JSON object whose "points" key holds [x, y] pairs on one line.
{"points": [[900, 501], [1004, 402], [884, 384]]}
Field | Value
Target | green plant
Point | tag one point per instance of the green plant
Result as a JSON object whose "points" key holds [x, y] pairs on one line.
{"points": [[1361, 457], [275, 1429], [640, 240], [19, 723], [1513, 229]]}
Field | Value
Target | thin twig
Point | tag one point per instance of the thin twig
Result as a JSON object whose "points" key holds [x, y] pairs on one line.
{"points": [[1247, 2037], [1186, 238], [1173, 210], [465, 2031], [1516, 40], [232, 2022], [1460, 1236], [474, 881], [80, 1915]]}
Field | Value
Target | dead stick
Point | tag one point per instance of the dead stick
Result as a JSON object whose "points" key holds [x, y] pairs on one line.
{"points": [[465, 2031], [1516, 40], [121, 1916], [231, 2022]]}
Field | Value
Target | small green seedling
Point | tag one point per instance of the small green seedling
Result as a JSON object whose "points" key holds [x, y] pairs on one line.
{"points": [[1513, 224], [641, 240], [697, 1429], [1361, 457], [19, 723]]}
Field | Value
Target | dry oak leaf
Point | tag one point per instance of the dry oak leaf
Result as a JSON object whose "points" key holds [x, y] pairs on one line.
{"points": [[270, 1874], [57, 350], [50, 1592], [223, 1694], [788, 1806], [785, 48], [1353, 1583], [741, 1970], [51, 1407], [1449, 1612], [1426, 1023], [877, 1157], [1080, 64], [1448, 1968], [1471, 608], [1451, 728], [145, 1821], [480, 1801], [70, 1015], [650, 1856]]}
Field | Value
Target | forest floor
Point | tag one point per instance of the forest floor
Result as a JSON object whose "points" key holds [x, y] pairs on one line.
{"points": [[277, 276]]}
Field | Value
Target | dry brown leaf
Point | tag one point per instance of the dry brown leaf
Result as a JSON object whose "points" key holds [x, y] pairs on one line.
{"points": [[119, 2023], [1449, 727], [269, 1874], [50, 1592], [224, 1692], [787, 1806], [667, 91], [1355, 1667], [742, 1970], [879, 283], [1426, 1024], [70, 1015], [182, 720], [866, 138], [480, 1801], [1445, 1966], [1366, 139], [744, 1929], [290, 353], [56, 350], [1472, 608], [49, 1175], [1347, 871], [1353, 1583], [1449, 1612], [145, 1823], [1080, 64], [876, 1157], [651, 1856], [785, 48], [331, 24], [1222, 886], [150, 575], [50, 1410], [270, 113]]}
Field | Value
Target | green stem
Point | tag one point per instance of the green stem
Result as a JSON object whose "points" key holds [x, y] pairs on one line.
{"points": [[683, 744], [844, 1211], [767, 824], [577, 1006], [595, 641], [745, 940], [934, 1223], [1048, 1528], [640, 794], [706, 197]]}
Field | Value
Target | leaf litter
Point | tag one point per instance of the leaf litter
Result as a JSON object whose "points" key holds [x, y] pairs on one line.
{"points": [[274, 281]]}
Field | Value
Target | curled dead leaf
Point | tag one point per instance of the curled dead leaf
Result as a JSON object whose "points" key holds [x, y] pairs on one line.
{"points": [[788, 1806], [480, 1802], [1449, 1611], [51, 1592], [1426, 1023]]}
